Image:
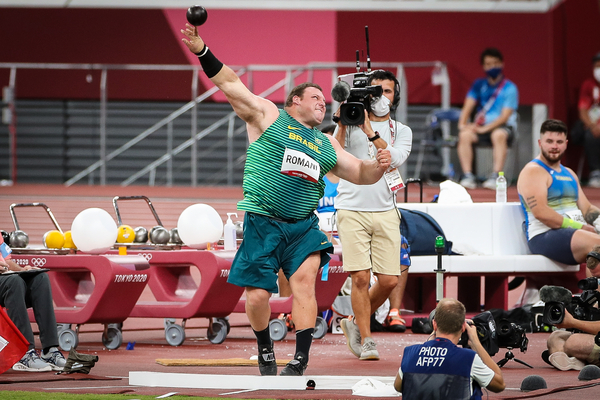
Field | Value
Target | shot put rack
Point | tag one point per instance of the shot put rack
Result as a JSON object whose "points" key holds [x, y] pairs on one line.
{"points": [[176, 292], [137, 245], [79, 297], [45, 207]]}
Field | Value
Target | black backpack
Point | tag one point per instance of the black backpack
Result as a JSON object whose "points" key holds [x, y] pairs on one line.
{"points": [[420, 229]]}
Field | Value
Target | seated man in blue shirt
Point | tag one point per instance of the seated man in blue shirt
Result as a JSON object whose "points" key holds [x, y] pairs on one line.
{"points": [[495, 100], [439, 369]]}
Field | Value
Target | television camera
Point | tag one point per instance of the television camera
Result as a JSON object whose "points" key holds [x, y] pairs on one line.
{"points": [[494, 336], [582, 306], [354, 91]]}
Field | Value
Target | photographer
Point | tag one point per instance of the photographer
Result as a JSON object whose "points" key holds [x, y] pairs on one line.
{"points": [[567, 350], [367, 218], [439, 369]]}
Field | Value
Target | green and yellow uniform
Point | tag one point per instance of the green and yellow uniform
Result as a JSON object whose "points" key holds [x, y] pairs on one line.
{"points": [[283, 182]]}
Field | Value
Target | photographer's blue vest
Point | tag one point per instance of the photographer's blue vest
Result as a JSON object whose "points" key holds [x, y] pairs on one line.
{"points": [[438, 370]]}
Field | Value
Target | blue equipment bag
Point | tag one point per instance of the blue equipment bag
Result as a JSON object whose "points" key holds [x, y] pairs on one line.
{"points": [[420, 229]]}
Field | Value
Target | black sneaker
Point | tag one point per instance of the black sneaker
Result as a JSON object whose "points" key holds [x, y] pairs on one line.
{"points": [[546, 357], [267, 364], [296, 367]]}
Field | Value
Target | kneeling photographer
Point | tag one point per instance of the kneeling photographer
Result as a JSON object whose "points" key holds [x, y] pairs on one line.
{"points": [[580, 343], [439, 369]]}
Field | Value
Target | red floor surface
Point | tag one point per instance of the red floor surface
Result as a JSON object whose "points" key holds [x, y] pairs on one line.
{"points": [[329, 356]]}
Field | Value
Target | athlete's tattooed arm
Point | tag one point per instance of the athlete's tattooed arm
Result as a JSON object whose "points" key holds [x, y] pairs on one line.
{"points": [[531, 202], [592, 214]]}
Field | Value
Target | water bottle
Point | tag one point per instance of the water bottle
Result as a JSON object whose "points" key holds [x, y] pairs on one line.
{"points": [[501, 188], [229, 233]]}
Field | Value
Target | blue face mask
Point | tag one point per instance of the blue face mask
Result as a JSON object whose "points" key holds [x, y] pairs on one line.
{"points": [[493, 72]]}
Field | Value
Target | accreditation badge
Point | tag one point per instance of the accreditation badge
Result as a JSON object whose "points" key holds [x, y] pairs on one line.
{"points": [[394, 180], [296, 163], [5, 250]]}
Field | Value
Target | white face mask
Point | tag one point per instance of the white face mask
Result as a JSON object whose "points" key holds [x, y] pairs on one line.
{"points": [[381, 106], [597, 74]]}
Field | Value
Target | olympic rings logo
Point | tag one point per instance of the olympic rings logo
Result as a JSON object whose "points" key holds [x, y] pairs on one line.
{"points": [[38, 262], [147, 256]]}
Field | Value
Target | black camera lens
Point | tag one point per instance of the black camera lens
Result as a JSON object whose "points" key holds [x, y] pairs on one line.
{"points": [[504, 328], [352, 114], [554, 312], [588, 284]]}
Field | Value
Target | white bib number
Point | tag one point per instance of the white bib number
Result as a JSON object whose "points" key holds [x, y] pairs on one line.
{"points": [[296, 163]]}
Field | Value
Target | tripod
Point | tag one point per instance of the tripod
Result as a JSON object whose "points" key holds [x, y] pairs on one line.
{"points": [[510, 356]]}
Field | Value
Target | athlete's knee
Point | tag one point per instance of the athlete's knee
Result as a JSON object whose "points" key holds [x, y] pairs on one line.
{"points": [[257, 297], [303, 278]]}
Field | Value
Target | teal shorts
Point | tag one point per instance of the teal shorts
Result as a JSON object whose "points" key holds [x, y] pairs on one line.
{"points": [[270, 245]]}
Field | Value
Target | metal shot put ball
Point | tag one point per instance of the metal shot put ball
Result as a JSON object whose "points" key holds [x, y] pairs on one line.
{"points": [[239, 229], [19, 239], [175, 237], [159, 235], [196, 15], [141, 235]]}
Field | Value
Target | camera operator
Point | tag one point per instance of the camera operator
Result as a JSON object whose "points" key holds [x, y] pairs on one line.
{"points": [[439, 369], [567, 350], [367, 218]]}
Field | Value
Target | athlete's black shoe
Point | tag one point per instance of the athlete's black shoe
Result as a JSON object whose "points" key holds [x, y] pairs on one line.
{"points": [[266, 360], [296, 367], [546, 357]]}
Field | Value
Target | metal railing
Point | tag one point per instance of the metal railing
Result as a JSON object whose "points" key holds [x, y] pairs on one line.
{"points": [[439, 76]]}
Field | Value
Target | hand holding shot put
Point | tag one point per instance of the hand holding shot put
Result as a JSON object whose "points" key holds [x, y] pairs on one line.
{"points": [[287, 159], [193, 41]]}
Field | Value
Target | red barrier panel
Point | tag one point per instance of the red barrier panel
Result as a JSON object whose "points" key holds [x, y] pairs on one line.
{"points": [[177, 294], [91, 289]]}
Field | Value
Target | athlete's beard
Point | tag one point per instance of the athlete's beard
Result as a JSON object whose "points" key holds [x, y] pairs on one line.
{"points": [[552, 158]]}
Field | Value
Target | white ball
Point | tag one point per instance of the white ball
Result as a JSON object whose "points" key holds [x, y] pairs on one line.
{"points": [[198, 225], [94, 231]]}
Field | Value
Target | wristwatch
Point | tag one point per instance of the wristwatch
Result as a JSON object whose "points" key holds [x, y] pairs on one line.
{"points": [[374, 138]]}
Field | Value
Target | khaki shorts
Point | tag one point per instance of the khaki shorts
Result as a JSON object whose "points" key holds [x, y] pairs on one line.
{"points": [[370, 240], [594, 357]]}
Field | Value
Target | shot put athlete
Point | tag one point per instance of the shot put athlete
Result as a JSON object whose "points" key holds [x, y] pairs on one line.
{"points": [[287, 158]]}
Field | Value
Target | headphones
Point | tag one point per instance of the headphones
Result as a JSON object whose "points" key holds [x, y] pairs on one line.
{"points": [[593, 254], [381, 74]]}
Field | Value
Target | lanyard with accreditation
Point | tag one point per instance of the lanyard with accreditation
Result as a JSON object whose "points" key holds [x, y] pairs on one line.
{"points": [[392, 175]]}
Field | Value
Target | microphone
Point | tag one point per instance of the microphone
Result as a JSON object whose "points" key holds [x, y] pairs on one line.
{"points": [[555, 293], [340, 91]]}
